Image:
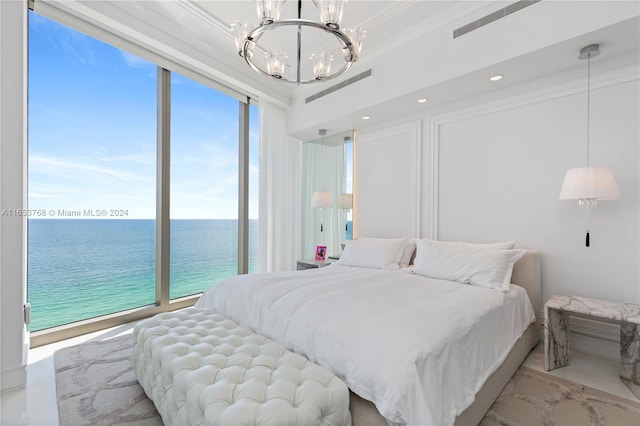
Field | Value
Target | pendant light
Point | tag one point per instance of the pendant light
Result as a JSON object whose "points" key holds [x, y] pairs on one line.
{"points": [[589, 184]]}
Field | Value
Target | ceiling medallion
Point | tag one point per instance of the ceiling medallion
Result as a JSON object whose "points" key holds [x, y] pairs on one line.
{"points": [[273, 63]]}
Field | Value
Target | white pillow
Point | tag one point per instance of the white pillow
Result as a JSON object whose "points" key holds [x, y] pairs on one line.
{"points": [[506, 245], [381, 253], [476, 264], [407, 253]]}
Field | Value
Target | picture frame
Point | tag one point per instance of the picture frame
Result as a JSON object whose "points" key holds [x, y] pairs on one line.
{"points": [[321, 252]]}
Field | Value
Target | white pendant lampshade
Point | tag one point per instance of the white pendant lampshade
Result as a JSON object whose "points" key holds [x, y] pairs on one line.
{"points": [[589, 183], [345, 201], [321, 199]]}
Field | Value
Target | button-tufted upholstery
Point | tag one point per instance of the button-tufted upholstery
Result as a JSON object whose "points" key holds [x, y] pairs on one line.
{"points": [[201, 368]]}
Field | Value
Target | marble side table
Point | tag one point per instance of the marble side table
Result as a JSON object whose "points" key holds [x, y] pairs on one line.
{"points": [[556, 332]]}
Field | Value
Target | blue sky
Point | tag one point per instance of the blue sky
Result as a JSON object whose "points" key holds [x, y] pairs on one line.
{"points": [[92, 132]]}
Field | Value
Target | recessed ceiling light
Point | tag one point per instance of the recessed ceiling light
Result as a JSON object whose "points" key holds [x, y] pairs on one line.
{"points": [[422, 100], [496, 77], [365, 117]]}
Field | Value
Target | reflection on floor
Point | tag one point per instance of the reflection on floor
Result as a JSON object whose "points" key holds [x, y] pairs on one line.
{"points": [[36, 404]]}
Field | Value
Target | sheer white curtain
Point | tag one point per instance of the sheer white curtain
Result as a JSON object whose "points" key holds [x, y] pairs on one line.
{"points": [[279, 217], [323, 169]]}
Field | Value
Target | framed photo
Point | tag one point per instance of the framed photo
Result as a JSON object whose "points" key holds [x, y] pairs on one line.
{"points": [[321, 252]]}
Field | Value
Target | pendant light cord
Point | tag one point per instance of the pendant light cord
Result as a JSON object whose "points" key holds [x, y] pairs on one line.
{"points": [[588, 102], [588, 207], [322, 133]]}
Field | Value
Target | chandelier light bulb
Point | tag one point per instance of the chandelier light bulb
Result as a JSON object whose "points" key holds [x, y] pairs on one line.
{"points": [[276, 63], [330, 12], [269, 10], [321, 64], [357, 36], [240, 31]]}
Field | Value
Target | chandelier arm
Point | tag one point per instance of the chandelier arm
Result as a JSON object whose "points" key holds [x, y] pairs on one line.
{"points": [[341, 71], [254, 36], [256, 33]]}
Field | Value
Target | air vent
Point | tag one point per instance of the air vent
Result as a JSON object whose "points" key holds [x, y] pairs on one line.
{"points": [[513, 7], [339, 86]]}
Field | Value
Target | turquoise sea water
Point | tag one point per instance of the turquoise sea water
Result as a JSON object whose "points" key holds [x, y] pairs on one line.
{"points": [[83, 268]]}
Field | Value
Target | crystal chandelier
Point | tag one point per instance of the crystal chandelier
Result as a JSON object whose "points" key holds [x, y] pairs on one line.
{"points": [[273, 63]]}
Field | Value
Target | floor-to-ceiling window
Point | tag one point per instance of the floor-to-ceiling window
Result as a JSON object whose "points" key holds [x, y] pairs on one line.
{"points": [[204, 186], [91, 246], [94, 150]]}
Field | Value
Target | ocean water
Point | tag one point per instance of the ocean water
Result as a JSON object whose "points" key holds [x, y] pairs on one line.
{"points": [[83, 268]]}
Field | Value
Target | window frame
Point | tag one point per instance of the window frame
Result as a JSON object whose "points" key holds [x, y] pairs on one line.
{"points": [[163, 303]]}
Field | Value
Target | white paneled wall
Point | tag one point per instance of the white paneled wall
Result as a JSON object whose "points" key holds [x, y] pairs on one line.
{"points": [[387, 182], [493, 172], [500, 172]]}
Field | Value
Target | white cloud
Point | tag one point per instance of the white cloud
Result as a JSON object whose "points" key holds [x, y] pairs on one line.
{"points": [[133, 61], [148, 158], [45, 196], [54, 166]]}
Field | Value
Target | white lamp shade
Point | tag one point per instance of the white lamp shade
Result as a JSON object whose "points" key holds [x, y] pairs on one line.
{"points": [[589, 183], [321, 199], [345, 201]]}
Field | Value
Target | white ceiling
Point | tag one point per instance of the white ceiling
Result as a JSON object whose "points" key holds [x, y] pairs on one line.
{"points": [[556, 64], [207, 24], [380, 18], [195, 34]]}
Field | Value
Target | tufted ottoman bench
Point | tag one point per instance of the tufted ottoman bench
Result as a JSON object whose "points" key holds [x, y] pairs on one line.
{"points": [[201, 368]]}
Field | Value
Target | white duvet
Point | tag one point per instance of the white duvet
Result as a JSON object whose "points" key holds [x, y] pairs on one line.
{"points": [[418, 348]]}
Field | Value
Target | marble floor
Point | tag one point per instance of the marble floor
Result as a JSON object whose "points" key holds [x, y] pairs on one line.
{"points": [[36, 404]]}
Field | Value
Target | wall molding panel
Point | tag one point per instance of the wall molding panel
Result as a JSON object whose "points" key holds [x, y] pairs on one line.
{"points": [[435, 122], [492, 172], [388, 182]]}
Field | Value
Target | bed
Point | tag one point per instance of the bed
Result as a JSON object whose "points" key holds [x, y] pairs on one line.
{"points": [[400, 340]]}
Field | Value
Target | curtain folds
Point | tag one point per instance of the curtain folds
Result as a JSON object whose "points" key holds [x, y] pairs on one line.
{"points": [[323, 169], [279, 216]]}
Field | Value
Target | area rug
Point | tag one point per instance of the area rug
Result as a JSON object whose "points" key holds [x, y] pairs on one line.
{"points": [[96, 385]]}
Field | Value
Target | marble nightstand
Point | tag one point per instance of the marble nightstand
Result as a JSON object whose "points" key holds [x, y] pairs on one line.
{"points": [[556, 332]]}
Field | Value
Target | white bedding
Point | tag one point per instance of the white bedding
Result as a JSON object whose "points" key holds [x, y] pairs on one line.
{"points": [[418, 348]]}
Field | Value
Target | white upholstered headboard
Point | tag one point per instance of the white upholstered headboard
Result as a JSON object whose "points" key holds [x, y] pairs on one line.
{"points": [[526, 274]]}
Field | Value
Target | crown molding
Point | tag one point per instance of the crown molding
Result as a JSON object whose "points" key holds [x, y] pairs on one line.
{"points": [[453, 14]]}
